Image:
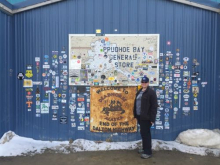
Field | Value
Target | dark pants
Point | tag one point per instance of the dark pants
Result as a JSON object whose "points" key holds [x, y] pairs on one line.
{"points": [[145, 126]]}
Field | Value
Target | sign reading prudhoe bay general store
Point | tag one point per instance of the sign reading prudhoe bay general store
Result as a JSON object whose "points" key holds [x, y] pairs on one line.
{"points": [[113, 60], [112, 109]]}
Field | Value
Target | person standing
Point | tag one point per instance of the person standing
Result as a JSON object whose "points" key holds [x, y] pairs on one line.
{"points": [[145, 110]]}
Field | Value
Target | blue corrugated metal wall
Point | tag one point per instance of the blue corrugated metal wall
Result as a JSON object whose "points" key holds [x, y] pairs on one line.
{"points": [[7, 88], [217, 96], [40, 31]]}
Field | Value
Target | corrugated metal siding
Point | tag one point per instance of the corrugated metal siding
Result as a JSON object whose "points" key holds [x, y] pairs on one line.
{"points": [[192, 30], [217, 96], [7, 90]]}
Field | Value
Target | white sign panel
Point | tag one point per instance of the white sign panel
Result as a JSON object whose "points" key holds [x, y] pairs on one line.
{"points": [[116, 60]]}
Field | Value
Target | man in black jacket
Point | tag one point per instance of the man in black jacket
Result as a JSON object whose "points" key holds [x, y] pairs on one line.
{"points": [[145, 110]]}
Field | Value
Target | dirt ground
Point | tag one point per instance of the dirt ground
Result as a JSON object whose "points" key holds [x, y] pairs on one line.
{"points": [[119, 157]]}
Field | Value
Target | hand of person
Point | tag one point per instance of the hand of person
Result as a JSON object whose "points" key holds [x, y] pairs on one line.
{"points": [[152, 123]]}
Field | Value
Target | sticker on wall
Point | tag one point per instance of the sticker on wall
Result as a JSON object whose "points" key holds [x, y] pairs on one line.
{"points": [[29, 103], [63, 119], [37, 82], [27, 83], [168, 42], [38, 100], [73, 124], [195, 102], [204, 84], [20, 76], [195, 108], [37, 61], [75, 64], [44, 108], [29, 73], [81, 128], [114, 109], [186, 110], [195, 90], [175, 110], [29, 67]]}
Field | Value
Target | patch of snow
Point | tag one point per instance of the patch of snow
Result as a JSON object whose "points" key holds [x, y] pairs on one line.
{"points": [[7, 137], [14, 145], [200, 138]]}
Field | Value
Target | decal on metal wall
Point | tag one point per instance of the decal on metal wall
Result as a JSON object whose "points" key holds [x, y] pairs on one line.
{"points": [[112, 109]]}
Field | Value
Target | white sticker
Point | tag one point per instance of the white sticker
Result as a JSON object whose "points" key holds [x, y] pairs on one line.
{"points": [[186, 108], [64, 56], [158, 122], [176, 75], [81, 127], [186, 59], [37, 59], [186, 96], [37, 102], [46, 66], [44, 107], [159, 127], [37, 82], [37, 110], [54, 107]]}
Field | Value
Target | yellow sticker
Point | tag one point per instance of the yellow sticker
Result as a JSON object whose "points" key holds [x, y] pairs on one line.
{"points": [[29, 73], [73, 57], [27, 83], [175, 97], [111, 78], [195, 95]]}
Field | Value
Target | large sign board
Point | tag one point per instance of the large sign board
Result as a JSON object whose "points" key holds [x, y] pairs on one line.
{"points": [[113, 60], [111, 109]]}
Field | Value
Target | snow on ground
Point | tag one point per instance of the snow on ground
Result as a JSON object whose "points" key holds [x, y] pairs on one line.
{"points": [[201, 141]]}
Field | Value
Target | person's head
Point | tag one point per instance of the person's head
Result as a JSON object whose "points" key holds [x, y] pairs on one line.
{"points": [[145, 82]]}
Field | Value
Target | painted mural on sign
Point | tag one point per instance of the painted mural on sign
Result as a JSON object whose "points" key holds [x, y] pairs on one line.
{"points": [[118, 60], [112, 109]]}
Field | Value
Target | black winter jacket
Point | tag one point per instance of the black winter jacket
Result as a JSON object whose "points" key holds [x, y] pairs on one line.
{"points": [[148, 105]]}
